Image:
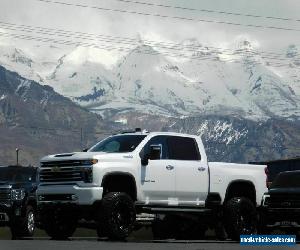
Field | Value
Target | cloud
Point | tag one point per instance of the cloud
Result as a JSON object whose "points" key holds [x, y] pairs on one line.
{"points": [[35, 13]]}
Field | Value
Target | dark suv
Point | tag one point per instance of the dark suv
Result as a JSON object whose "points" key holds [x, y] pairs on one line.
{"points": [[281, 205], [18, 199]]}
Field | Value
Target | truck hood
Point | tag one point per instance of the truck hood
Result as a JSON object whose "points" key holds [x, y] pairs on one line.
{"points": [[290, 190], [85, 156], [71, 156], [14, 185]]}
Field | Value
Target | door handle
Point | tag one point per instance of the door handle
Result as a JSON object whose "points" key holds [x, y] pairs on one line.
{"points": [[201, 169], [169, 167]]}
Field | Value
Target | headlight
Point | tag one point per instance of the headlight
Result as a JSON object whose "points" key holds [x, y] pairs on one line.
{"points": [[87, 174], [17, 194], [266, 200], [89, 162]]}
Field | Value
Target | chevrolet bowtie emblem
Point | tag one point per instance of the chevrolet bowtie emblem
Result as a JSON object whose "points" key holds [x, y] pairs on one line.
{"points": [[56, 169], [286, 204]]}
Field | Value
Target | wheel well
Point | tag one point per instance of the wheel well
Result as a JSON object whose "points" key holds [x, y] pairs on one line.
{"points": [[241, 188], [120, 183]]}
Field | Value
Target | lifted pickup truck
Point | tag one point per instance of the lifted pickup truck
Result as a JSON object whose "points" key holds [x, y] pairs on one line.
{"points": [[281, 204], [18, 199], [158, 173]]}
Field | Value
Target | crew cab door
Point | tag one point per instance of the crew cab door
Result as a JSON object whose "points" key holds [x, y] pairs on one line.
{"points": [[158, 176], [192, 178]]}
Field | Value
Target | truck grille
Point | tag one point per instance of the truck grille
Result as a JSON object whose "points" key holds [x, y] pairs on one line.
{"points": [[71, 163], [284, 201], [65, 171], [4, 194]]}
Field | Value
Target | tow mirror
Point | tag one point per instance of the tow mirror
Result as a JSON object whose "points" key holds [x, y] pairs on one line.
{"points": [[155, 152], [145, 160]]}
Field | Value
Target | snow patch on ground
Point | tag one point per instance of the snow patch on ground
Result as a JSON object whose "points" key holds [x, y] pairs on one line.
{"points": [[221, 130]]}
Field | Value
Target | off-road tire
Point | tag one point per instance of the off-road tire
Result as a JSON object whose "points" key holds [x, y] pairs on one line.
{"points": [[24, 227], [118, 215], [59, 225], [240, 217]]}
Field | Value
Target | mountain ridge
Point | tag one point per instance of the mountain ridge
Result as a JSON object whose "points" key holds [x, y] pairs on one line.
{"points": [[146, 79], [39, 121]]}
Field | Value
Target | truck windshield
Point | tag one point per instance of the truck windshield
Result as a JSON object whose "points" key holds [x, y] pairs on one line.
{"points": [[16, 174], [118, 144]]}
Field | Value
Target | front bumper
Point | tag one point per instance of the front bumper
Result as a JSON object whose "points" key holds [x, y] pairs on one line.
{"points": [[4, 218], [11, 212], [276, 216], [74, 194], [280, 217]]}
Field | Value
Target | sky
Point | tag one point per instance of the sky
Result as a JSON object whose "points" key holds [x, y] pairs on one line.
{"points": [[117, 24]]}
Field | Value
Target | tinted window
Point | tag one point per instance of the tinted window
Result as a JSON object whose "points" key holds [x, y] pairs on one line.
{"points": [[17, 174], [281, 166], [157, 140], [287, 180], [183, 148], [118, 144]]}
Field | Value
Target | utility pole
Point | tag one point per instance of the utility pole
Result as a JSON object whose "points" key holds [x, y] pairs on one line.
{"points": [[17, 152], [81, 139]]}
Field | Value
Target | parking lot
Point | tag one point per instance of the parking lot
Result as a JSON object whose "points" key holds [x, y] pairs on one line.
{"points": [[86, 239], [94, 243]]}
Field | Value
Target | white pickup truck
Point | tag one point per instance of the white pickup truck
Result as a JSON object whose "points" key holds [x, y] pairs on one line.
{"points": [[160, 173]]}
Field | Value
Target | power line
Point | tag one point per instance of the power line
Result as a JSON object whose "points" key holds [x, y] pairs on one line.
{"points": [[132, 41], [210, 11], [168, 16], [127, 49]]}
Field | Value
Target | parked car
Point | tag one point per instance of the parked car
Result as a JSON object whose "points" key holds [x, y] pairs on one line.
{"points": [[281, 204], [139, 172], [18, 199]]}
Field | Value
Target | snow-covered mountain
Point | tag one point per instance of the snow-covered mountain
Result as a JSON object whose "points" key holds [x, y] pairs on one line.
{"points": [[202, 92], [186, 80], [234, 139], [39, 121]]}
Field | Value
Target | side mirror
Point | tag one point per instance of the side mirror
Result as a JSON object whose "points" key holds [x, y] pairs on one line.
{"points": [[145, 160], [155, 152], [85, 150]]}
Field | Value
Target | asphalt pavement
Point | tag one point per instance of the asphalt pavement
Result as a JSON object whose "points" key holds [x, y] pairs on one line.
{"points": [[94, 244], [85, 239]]}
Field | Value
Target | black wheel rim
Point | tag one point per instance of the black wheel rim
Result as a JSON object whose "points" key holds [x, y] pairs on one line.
{"points": [[30, 222], [122, 216]]}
